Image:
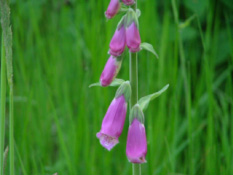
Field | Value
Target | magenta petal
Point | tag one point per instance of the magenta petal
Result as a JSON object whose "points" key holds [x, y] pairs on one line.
{"points": [[128, 2], [133, 39], [136, 147], [110, 71], [113, 8], [118, 42], [107, 141], [113, 123]]}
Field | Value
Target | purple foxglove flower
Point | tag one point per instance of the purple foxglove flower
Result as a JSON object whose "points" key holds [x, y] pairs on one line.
{"points": [[110, 71], [112, 9], [136, 147], [133, 39], [128, 2], [118, 42], [113, 123]]}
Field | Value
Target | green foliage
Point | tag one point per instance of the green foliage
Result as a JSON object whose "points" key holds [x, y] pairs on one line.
{"points": [[144, 101], [60, 48]]}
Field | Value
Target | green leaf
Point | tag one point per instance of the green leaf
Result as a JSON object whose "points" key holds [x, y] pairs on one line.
{"points": [[144, 101], [116, 82], [149, 47]]}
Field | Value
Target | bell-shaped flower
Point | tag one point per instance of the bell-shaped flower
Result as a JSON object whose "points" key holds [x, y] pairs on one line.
{"points": [[112, 9], [110, 71], [136, 147], [118, 42], [128, 2], [114, 118], [133, 39]]}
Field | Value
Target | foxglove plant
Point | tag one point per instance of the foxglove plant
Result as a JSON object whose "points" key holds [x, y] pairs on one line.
{"points": [[126, 34]]}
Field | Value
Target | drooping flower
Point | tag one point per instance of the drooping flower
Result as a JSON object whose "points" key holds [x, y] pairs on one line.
{"points": [[114, 118], [128, 2], [110, 71], [136, 147], [118, 42], [112, 9], [133, 39]]}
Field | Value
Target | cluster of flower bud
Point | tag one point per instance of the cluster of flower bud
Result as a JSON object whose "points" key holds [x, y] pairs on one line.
{"points": [[126, 34]]}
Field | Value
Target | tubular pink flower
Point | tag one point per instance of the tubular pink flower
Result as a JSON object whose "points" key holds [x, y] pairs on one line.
{"points": [[118, 42], [128, 2], [112, 9], [136, 147], [133, 39], [113, 123], [110, 71]]}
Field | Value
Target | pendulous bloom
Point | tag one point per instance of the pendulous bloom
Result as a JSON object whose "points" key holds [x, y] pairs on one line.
{"points": [[128, 2], [133, 39], [112, 9], [114, 118], [118, 42], [136, 147], [110, 71]]}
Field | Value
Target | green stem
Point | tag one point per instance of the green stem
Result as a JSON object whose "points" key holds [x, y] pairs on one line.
{"points": [[134, 78], [134, 96], [134, 87], [3, 105]]}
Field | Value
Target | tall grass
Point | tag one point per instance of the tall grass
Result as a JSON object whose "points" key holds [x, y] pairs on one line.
{"points": [[60, 47]]}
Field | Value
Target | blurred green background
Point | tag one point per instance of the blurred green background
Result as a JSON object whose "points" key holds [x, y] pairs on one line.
{"points": [[60, 47]]}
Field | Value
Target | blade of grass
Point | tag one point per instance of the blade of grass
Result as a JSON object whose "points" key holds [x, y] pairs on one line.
{"points": [[3, 104]]}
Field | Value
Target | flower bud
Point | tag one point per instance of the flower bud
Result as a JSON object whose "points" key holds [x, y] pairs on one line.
{"points": [[112, 9], [133, 39], [128, 2], [110, 71], [136, 147], [113, 123], [118, 42]]}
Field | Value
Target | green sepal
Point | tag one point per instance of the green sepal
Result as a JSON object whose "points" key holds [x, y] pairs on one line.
{"points": [[136, 112], [115, 82], [124, 89], [144, 101], [148, 47], [131, 16], [123, 8], [138, 13]]}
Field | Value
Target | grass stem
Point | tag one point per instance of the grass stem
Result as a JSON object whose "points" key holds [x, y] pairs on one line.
{"points": [[3, 104]]}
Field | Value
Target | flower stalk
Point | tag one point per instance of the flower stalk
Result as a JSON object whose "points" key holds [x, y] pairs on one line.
{"points": [[133, 63]]}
